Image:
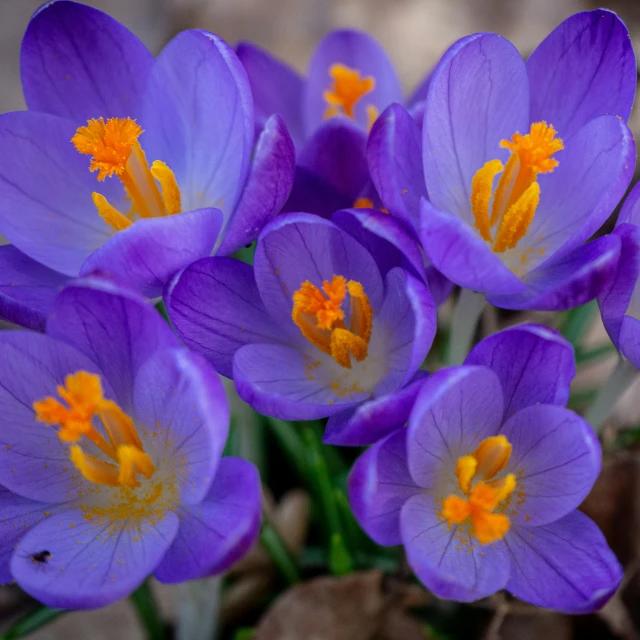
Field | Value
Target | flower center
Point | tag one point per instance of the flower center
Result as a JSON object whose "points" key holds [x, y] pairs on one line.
{"points": [[114, 149], [517, 195], [319, 316], [127, 459], [346, 91], [484, 496]]}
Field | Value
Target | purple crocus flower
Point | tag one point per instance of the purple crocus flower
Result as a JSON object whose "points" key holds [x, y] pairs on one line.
{"points": [[125, 164], [110, 464], [333, 314], [518, 164], [329, 113], [482, 486]]}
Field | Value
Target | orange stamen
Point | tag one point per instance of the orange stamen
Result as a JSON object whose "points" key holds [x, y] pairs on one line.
{"points": [[347, 90]]}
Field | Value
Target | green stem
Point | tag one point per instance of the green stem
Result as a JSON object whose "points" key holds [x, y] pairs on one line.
{"points": [[463, 326], [279, 553], [199, 609], [614, 387], [31, 622], [148, 614]]}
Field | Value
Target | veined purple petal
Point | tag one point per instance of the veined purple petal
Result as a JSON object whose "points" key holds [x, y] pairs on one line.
{"points": [[478, 96], [80, 63], [276, 88], [556, 458], [359, 51], [568, 281], [118, 330], [219, 530], [535, 365], [48, 182], [455, 410], [89, 566], [151, 251], [198, 119], [34, 462], [583, 69], [566, 565], [443, 558], [394, 155], [27, 289], [179, 397], [268, 186], [379, 485]]}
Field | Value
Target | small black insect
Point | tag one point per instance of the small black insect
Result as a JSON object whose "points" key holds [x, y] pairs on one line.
{"points": [[40, 557]]}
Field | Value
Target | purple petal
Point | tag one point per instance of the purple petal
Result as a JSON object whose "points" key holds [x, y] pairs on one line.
{"points": [[289, 384], [374, 419], [583, 69], [27, 289], [215, 308], [336, 154], [455, 410], [218, 531], [535, 365], [80, 63], [461, 255], [358, 51], [629, 341], [379, 484], [17, 516], [268, 186], [313, 194], [151, 251], [91, 565], [198, 118], [569, 281], [566, 565], [394, 154], [34, 462], [443, 557], [116, 329], [299, 247], [478, 96], [180, 398], [276, 88], [594, 171], [44, 178], [630, 211], [556, 458]]}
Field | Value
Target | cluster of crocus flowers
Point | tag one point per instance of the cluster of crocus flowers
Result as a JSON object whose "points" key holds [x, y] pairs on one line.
{"points": [[111, 469]]}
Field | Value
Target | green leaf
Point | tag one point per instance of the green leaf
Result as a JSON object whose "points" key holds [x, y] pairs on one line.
{"points": [[32, 621], [148, 613], [245, 633], [291, 442], [577, 322], [584, 356], [279, 553], [162, 310]]}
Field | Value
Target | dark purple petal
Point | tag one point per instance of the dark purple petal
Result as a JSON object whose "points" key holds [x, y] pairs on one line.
{"points": [[535, 365], [220, 530], [91, 565], [181, 399], [566, 565], [629, 341], [17, 516], [313, 194], [439, 285], [198, 119], [478, 96], [443, 557], [27, 289], [556, 458], [268, 186], [583, 69], [336, 154], [299, 247], [394, 155], [48, 182], [568, 281], [116, 329], [215, 308], [374, 419], [455, 410], [358, 51], [34, 462], [151, 251], [379, 484], [276, 88], [461, 255], [80, 63]]}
